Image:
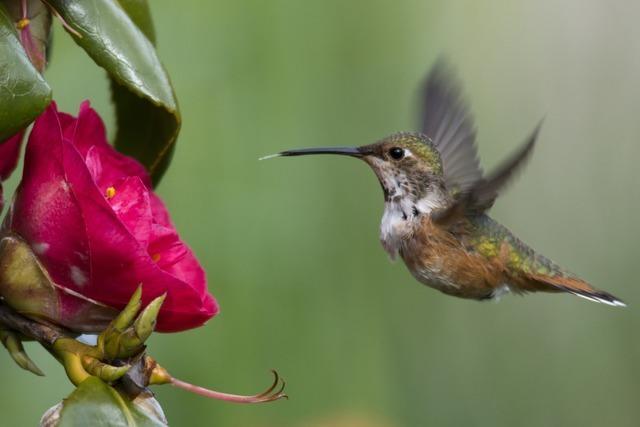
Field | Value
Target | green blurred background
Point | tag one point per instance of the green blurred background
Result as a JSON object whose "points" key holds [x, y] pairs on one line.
{"points": [[291, 245]]}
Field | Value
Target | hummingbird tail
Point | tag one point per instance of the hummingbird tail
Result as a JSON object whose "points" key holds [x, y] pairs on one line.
{"points": [[576, 287]]}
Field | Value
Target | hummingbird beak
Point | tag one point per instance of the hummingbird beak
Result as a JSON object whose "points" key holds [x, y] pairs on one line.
{"points": [[342, 151]]}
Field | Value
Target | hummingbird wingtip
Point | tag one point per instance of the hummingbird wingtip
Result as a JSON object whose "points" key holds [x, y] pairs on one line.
{"points": [[270, 156]]}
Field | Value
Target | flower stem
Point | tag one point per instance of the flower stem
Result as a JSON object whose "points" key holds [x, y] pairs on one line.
{"points": [[268, 395], [29, 328], [64, 23]]}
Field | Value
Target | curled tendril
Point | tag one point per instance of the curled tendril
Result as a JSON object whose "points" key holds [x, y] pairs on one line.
{"points": [[269, 395]]}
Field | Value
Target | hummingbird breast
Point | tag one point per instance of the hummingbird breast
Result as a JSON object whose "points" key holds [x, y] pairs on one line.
{"points": [[397, 225], [402, 216], [441, 259]]}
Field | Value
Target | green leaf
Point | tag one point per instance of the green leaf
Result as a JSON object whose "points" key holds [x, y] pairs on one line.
{"points": [[144, 131], [97, 404], [146, 109], [140, 14], [24, 93]]}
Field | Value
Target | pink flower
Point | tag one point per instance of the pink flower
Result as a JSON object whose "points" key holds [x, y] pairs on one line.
{"points": [[9, 154], [91, 217]]}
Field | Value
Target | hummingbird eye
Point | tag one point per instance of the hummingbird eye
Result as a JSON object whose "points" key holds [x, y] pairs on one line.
{"points": [[396, 153]]}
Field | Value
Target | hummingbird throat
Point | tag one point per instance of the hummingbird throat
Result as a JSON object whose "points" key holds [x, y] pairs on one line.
{"points": [[404, 209]]}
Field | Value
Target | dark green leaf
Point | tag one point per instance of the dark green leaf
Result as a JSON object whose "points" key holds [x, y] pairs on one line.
{"points": [[146, 109], [145, 131], [137, 122], [97, 404], [23, 92]]}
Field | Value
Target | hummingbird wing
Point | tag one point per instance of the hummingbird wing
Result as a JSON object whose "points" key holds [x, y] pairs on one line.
{"points": [[482, 193], [447, 121]]}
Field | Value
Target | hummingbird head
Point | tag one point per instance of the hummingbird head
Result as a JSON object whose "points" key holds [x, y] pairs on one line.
{"points": [[407, 164]]}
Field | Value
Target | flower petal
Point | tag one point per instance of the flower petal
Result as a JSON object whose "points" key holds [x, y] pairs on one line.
{"points": [[175, 258], [159, 210], [9, 154], [130, 202], [89, 131], [45, 212]]}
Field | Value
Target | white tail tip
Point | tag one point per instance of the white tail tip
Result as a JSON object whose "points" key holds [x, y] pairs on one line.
{"points": [[612, 302]]}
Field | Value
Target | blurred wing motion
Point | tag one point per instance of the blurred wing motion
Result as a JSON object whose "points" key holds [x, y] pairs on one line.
{"points": [[447, 121], [483, 193]]}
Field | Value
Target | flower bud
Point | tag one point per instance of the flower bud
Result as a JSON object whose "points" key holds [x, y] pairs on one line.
{"points": [[27, 287]]}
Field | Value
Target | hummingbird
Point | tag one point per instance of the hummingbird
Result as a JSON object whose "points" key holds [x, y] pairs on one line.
{"points": [[436, 199]]}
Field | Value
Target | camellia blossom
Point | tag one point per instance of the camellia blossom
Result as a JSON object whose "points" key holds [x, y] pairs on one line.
{"points": [[90, 216]]}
